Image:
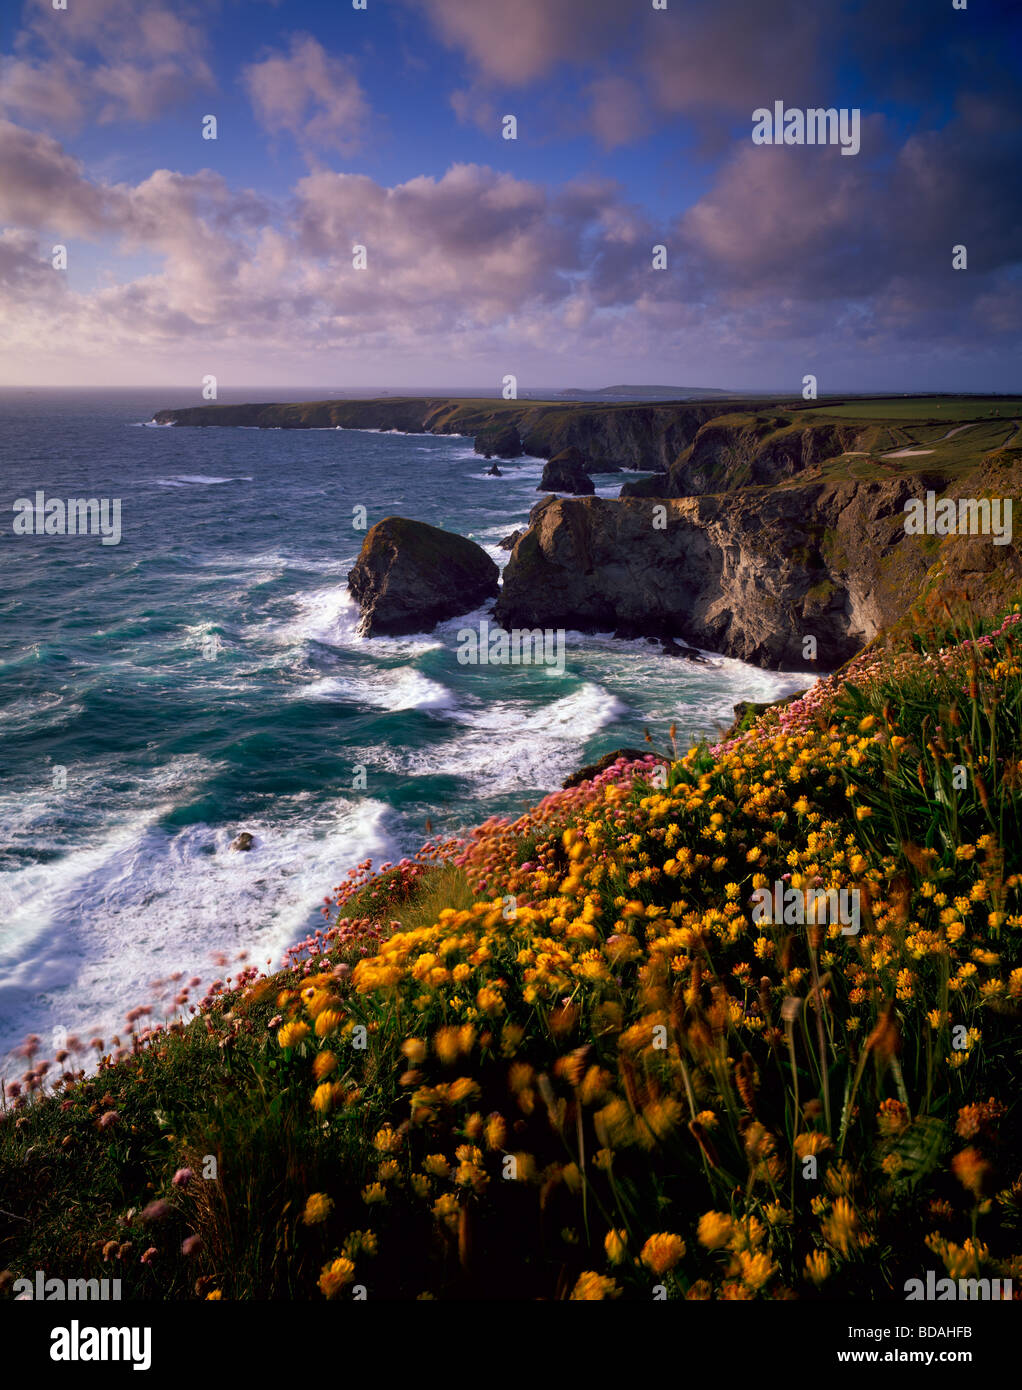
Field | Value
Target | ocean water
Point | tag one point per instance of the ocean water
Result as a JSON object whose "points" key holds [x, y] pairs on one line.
{"points": [[204, 677]]}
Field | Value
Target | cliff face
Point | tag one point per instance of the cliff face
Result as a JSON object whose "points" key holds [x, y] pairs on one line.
{"points": [[749, 574], [750, 449], [630, 436]]}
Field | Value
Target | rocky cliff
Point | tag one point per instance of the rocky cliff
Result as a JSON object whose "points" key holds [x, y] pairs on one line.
{"points": [[753, 573], [625, 435]]}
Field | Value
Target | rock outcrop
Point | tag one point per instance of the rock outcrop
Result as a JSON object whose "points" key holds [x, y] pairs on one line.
{"points": [[502, 441], [566, 472], [611, 436], [750, 574], [410, 576]]}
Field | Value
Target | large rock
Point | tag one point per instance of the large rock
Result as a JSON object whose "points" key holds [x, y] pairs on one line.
{"points": [[503, 441], [566, 472], [749, 573], [410, 576]]}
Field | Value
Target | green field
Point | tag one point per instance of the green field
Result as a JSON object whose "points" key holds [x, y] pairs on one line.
{"points": [[950, 408]]}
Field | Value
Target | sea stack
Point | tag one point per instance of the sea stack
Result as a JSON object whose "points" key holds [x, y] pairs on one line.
{"points": [[410, 576]]}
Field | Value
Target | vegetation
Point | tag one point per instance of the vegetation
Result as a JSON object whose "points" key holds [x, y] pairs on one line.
{"points": [[563, 1058]]}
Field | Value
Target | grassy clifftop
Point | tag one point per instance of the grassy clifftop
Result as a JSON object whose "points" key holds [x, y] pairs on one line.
{"points": [[569, 1058]]}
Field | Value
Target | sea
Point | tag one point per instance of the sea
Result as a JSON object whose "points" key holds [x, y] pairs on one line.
{"points": [[204, 677]]}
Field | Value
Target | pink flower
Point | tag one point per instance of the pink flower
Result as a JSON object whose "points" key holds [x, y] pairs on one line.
{"points": [[108, 1118], [190, 1244], [149, 1255], [156, 1211], [182, 1177]]}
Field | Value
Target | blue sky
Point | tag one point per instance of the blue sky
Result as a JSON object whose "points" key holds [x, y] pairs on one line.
{"points": [[487, 255]]}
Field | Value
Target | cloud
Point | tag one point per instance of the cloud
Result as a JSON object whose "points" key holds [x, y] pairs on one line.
{"points": [[108, 60], [792, 251], [315, 97], [518, 43]]}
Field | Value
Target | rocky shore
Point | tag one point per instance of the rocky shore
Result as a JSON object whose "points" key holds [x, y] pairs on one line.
{"points": [[773, 534]]}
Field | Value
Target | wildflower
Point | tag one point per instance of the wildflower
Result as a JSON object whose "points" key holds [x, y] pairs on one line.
{"points": [[662, 1252], [756, 1268], [615, 1243], [190, 1244], [292, 1034], [326, 1096], [317, 1208], [374, 1193], [840, 1230], [971, 1169], [324, 1065], [714, 1230], [591, 1287], [818, 1266], [156, 1211], [359, 1243], [387, 1140], [335, 1276], [182, 1177], [328, 1022]]}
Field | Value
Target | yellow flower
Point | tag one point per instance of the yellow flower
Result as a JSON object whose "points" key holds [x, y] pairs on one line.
{"points": [[359, 1243], [375, 1192], [387, 1141], [326, 1096], [756, 1268], [614, 1242], [662, 1252], [325, 1064], [415, 1050], [592, 1287], [214, 1296], [335, 1276], [496, 1131], [818, 1266], [291, 1034], [714, 1230], [317, 1208], [328, 1022], [437, 1165], [840, 1230], [446, 1209]]}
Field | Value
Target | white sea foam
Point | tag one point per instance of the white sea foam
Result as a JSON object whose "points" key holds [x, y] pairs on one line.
{"points": [[197, 480], [385, 689], [143, 902], [510, 745]]}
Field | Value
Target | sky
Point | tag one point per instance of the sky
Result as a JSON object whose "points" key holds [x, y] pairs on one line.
{"points": [[486, 257]]}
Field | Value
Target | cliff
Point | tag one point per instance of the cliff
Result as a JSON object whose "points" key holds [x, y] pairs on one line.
{"points": [[752, 573], [627, 435]]}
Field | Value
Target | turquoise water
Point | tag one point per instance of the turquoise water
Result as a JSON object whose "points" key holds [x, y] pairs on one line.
{"points": [[203, 677]]}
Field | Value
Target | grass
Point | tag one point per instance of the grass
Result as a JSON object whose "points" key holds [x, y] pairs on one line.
{"points": [[565, 1059]]}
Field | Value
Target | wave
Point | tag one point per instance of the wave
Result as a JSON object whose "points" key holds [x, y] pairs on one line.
{"points": [[197, 480], [383, 689], [509, 745], [145, 901]]}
